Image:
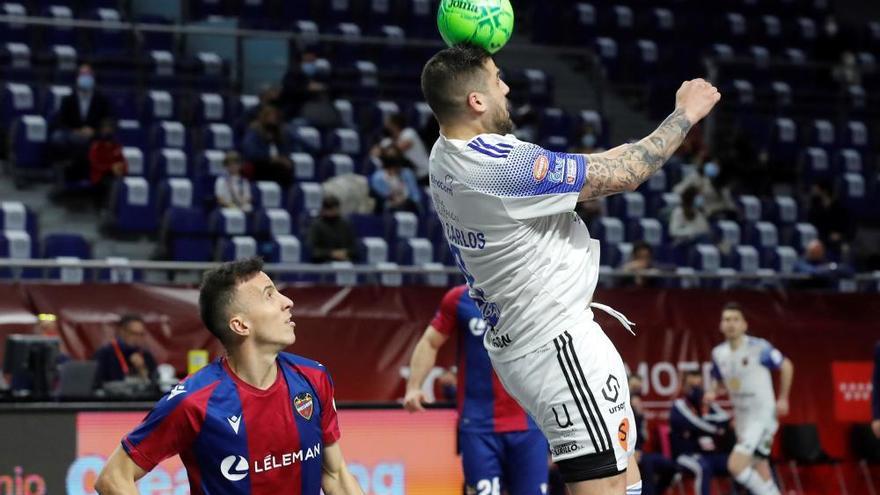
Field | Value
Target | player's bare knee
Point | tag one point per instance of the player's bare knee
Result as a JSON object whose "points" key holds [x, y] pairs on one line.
{"points": [[737, 461]]}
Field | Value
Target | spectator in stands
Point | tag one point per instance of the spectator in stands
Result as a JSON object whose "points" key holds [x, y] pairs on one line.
{"points": [[266, 148], [106, 161], [699, 433], [656, 469], [301, 71], [394, 185], [814, 263], [687, 224], [526, 120], [407, 140], [829, 217], [79, 116], [331, 237], [641, 259], [231, 189], [847, 72], [126, 355], [716, 205]]}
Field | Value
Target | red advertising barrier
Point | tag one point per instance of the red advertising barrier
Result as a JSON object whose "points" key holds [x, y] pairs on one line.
{"points": [[365, 335]]}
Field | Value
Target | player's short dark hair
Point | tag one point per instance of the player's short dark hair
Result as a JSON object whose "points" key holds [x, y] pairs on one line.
{"points": [[218, 290], [127, 318], [451, 73], [734, 306], [687, 373]]}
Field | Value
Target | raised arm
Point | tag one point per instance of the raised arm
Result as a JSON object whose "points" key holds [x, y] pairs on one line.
{"points": [[336, 478], [786, 374], [625, 167]]}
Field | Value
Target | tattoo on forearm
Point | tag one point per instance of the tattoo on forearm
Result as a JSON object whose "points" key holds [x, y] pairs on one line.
{"points": [[633, 164]]}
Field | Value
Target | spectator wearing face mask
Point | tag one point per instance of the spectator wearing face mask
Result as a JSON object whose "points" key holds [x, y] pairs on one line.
{"points": [[77, 122], [407, 140], [715, 204], [394, 185], [688, 225], [331, 237], [267, 149]]}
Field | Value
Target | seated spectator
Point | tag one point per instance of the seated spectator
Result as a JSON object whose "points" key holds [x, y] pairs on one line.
{"points": [[687, 224], [231, 189], [699, 434], [266, 148], [393, 184], [301, 71], [106, 161], [830, 218], [79, 116], [814, 262], [331, 237], [656, 469], [407, 140], [716, 204], [641, 259], [126, 356]]}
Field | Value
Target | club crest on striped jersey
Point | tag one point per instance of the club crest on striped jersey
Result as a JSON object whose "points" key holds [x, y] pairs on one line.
{"points": [[304, 405], [540, 168]]}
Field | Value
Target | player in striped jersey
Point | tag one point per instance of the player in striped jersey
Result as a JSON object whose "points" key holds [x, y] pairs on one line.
{"points": [[256, 421], [502, 448]]}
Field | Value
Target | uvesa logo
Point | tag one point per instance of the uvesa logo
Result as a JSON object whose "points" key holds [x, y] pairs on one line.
{"points": [[234, 468]]}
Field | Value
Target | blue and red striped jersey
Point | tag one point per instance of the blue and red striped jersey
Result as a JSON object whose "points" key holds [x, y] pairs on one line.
{"points": [[483, 404], [234, 438]]}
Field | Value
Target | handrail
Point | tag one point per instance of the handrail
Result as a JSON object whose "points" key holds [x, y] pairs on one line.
{"points": [[326, 269]]}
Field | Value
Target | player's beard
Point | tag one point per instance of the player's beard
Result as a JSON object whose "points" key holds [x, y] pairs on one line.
{"points": [[501, 123]]}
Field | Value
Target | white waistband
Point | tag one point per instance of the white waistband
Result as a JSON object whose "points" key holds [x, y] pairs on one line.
{"points": [[617, 316]]}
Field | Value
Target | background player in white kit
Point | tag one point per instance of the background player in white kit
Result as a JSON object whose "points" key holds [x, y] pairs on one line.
{"points": [[507, 207], [743, 363]]}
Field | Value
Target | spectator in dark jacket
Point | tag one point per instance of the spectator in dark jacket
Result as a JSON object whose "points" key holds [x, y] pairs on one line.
{"points": [[266, 148], [126, 355], [78, 120], [331, 237]]}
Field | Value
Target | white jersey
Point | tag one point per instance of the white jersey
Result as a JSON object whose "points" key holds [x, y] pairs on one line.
{"points": [[745, 373], [507, 209]]}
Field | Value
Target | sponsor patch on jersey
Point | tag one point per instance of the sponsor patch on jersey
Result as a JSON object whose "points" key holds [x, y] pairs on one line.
{"points": [[570, 171], [540, 168], [303, 404]]}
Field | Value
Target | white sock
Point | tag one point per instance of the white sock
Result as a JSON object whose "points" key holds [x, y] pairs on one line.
{"points": [[770, 487], [750, 479], [635, 488]]}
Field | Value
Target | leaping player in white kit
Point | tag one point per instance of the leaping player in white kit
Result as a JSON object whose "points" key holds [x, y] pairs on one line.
{"points": [[507, 207], [742, 365]]}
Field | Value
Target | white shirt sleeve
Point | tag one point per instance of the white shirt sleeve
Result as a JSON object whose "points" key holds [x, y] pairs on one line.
{"points": [[221, 190], [530, 181]]}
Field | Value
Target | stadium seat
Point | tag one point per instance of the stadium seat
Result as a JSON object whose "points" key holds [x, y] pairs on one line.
{"points": [[303, 167], [210, 107], [373, 250], [306, 139], [228, 222], [267, 195], [334, 165], [169, 134], [804, 233], [158, 106], [16, 245], [400, 225], [74, 245], [727, 232], [608, 230], [822, 133], [304, 198], [132, 206], [187, 235], [816, 165], [28, 140], [17, 100], [14, 32], [847, 160], [15, 216], [169, 162], [236, 248], [218, 136], [750, 206], [367, 225], [272, 222], [345, 141], [52, 100], [416, 252], [175, 192]]}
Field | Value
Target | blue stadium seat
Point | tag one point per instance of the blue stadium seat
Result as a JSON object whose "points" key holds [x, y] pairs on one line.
{"points": [[16, 245], [854, 194], [187, 234], [816, 165], [176, 192], [124, 104], [52, 100], [555, 143], [627, 206], [15, 62], [306, 139], [209, 107], [15, 216], [58, 244], [745, 259], [366, 79], [304, 198], [401, 225], [706, 258], [28, 146], [109, 41], [855, 135], [228, 222], [267, 195], [17, 100], [159, 106], [554, 122], [236, 248], [804, 233], [847, 160], [607, 50], [156, 40], [303, 167], [13, 32], [372, 250], [822, 133], [218, 136], [272, 222], [750, 207], [608, 230], [130, 133], [169, 162], [168, 134], [345, 141], [367, 225], [783, 259], [334, 165], [416, 251], [161, 70], [421, 19], [348, 51], [132, 206]]}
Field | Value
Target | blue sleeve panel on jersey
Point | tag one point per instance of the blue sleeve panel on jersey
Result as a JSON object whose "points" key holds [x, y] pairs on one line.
{"points": [[770, 356], [875, 396], [533, 171]]}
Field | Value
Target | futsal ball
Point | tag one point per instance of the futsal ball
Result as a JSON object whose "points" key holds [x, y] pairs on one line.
{"points": [[484, 23]]}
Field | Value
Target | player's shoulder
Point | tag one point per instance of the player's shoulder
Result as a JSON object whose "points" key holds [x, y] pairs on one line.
{"points": [[302, 363], [719, 350], [194, 386], [456, 292], [757, 342], [495, 146]]}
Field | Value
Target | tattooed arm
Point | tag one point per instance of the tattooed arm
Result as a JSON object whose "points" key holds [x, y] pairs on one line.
{"points": [[625, 167]]}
